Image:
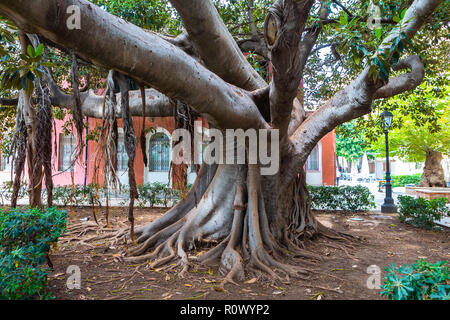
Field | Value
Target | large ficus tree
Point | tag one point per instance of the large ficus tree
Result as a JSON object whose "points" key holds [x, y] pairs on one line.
{"points": [[252, 219]]}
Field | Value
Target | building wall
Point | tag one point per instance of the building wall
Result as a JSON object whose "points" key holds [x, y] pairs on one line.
{"points": [[329, 159], [326, 173]]}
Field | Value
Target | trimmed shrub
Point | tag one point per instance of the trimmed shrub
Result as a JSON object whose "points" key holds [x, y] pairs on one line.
{"points": [[347, 198], [421, 212], [420, 281], [401, 181], [25, 240], [78, 195]]}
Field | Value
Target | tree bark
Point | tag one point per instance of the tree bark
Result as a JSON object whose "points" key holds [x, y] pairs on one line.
{"points": [[433, 173]]}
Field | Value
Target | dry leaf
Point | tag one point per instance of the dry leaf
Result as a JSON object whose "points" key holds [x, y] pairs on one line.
{"points": [[219, 289], [200, 253], [277, 292], [167, 296], [188, 285], [57, 275], [251, 281]]}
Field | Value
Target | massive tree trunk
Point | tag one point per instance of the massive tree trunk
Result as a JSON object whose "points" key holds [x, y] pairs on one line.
{"points": [[433, 173], [251, 219]]}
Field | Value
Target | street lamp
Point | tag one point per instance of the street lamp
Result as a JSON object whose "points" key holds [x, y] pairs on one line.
{"points": [[388, 206]]}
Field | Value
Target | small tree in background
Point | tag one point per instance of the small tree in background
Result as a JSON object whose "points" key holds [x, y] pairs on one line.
{"points": [[417, 140]]}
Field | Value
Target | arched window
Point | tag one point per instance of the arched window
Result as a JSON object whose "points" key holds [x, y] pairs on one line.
{"points": [[159, 152]]}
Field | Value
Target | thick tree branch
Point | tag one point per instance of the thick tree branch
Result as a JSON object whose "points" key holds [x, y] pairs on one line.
{"points": [[355, 100], [283, 30], [404, 82], [215, 44], [250, 19], [157, 104], [183, 42], [145, 57]]}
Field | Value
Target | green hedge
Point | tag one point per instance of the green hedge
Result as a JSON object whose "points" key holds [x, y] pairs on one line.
{"points": [[347, 198], [25, 240], [401, 181], [156, 193], [151, 194], [420, 212]]}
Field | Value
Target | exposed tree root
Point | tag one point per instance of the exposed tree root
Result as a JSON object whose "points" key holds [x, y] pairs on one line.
{"points": [[231, 217], [230, 224]]}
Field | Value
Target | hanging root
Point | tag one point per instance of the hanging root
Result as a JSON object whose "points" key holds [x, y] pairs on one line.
{"points": [[142, 139], [130, 146], [106, 151], [77, 112], [43, 143], [18, 149]]}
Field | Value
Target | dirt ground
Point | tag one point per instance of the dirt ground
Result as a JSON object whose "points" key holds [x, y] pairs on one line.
{"points": [[342, 275]]}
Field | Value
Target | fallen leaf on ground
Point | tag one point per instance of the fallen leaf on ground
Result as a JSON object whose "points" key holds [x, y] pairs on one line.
{"points": [[277, 292], [251, 281], [57, 275]]}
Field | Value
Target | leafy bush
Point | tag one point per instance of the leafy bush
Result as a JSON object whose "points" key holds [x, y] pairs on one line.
{"points": [[420, 212], [78, 195], [151, 194], [420, 281], [347, 198], [7, 190], [401, 181], [25, 240], [156, 193]]}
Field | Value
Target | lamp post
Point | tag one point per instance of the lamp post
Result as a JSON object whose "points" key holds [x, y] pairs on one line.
{"points": [[388, 206]]}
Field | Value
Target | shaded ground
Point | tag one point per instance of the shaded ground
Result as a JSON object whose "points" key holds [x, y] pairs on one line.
{"points": [[342, 275]]}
